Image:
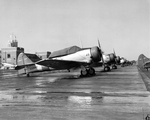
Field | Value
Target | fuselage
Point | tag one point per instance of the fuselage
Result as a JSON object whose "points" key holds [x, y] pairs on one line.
{"points": [[80, 56], [87, 55]]}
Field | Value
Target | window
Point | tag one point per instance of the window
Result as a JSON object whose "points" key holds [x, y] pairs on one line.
{"points": [[8, 55]]}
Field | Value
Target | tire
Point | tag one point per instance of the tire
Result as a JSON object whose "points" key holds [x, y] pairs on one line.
{"points": [[84, 72], [107, 68], [91, 71], [114, 67]]}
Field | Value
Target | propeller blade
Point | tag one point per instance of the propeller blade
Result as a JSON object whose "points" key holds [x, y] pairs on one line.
{"points": [[101, 52], [99, 44], [114, 52]]}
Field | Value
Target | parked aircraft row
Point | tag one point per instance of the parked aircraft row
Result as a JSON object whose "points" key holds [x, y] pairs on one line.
{"points": [[69, 58], [109, 60]]}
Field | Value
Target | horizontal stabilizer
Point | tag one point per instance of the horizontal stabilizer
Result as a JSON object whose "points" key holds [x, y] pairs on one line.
{"points": [[18, 67], [61, 64]]}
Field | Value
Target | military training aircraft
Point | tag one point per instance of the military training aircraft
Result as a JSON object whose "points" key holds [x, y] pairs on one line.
{"points": [[68, 58], [109, 59]]}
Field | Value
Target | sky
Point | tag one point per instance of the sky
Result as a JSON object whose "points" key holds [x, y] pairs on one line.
{"points": [[50, 25]]}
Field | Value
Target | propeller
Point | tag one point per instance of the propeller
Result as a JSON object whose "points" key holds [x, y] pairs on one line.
{"points": [[114, 52], [117, 58], [101, 52], [115, 55]]}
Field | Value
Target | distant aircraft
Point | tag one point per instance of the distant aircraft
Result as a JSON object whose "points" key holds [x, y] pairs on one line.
{"points": [[7, 66], [144, 62], [68, 58], [124, 62], [109, 59]]}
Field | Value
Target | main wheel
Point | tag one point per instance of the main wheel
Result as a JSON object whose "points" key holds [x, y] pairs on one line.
{"points": [[106, 68], [114, 67], [84, 72], [91, 71]]}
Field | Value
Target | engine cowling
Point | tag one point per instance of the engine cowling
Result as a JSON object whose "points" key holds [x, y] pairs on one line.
{"points": [[112, 57], [118, 60], [122, 60], [106, 58], [96, 54]]}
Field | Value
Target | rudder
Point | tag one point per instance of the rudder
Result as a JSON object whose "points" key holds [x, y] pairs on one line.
{"points": [[22, 62]]}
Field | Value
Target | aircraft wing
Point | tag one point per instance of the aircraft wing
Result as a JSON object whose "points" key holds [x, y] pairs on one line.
{"points": [[61, 64]]}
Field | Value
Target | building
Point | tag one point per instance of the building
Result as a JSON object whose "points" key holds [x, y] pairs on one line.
{"points": [[13, 42], [10, 54]]}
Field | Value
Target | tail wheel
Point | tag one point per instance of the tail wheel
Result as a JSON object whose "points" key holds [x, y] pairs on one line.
{"points": [[91, 71]]}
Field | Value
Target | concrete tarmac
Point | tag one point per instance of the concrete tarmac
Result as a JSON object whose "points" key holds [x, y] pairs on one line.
{"points": [[120, 94]]}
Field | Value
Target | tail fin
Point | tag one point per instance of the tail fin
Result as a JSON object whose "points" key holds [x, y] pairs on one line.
{"points": [[22, 62], [25, 61]]}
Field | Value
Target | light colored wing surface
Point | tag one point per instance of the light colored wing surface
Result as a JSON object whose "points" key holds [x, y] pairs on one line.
{"points": [[60, 64]]}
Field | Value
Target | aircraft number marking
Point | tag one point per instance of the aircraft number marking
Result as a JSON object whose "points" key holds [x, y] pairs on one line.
{"points": [[87, 54]]}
